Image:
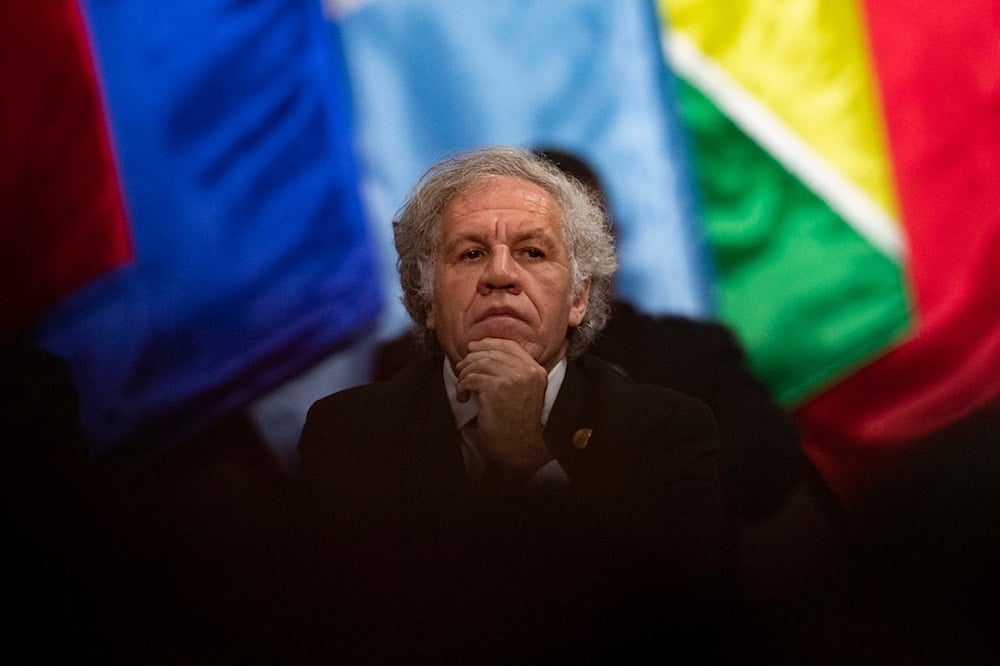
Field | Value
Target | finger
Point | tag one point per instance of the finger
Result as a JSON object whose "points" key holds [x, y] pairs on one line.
{"points": [[498, 344], [490, 363], [468, 384], [505, 352]]}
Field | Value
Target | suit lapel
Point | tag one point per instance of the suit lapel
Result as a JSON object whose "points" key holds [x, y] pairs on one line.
{"points": [[571, 428], [428, 437], [582, 434]]}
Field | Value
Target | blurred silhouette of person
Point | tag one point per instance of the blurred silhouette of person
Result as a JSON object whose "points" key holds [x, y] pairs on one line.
{"points": [[50, 542], [163, 562]]}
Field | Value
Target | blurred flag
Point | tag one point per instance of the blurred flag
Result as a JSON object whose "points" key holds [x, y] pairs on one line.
{"points": [[586, 76], [61, 210], [232, 135], [849, 158]]}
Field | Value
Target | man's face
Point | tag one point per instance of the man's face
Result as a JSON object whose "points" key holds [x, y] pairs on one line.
{"points": [[503, 271]]}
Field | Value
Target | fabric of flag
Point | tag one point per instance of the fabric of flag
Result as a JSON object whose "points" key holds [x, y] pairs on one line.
{"points": [[61, 210], [232, 132], [431, 77], [848, 155]]}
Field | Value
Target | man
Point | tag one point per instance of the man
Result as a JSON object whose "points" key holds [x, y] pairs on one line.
{"points": [[512, 492], [760, 456]]}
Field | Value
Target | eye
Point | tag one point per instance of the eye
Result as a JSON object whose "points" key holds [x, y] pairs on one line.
{"points": [[472, 254], [533, 253]]}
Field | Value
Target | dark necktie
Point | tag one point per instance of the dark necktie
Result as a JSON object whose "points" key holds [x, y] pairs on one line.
{"points": [[490, 482]]}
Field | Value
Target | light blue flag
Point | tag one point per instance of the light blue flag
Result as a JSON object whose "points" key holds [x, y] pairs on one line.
{"points": [[588, 76]]}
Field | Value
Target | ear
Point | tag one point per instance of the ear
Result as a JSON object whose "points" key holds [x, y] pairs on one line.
{"points": [[429, 317], [578, 306]]}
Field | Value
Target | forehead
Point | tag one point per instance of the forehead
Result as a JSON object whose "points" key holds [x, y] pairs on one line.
{"points": [[502, 198]]}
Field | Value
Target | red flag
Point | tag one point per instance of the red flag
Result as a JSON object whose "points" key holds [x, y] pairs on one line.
{"points": [[940, 87], [62, 216]]}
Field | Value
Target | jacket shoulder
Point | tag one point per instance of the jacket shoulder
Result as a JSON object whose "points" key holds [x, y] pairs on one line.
{"points": [[642, 401]]}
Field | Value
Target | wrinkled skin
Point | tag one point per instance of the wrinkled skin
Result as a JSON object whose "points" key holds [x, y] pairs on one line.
{"points": [[501, 310]]}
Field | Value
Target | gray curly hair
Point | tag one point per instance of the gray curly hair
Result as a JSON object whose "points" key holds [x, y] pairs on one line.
{"points": [[586, 232]]}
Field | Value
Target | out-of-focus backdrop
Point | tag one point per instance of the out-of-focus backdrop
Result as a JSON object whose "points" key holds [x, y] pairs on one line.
{"points": [[196, 200], [197, 196]]}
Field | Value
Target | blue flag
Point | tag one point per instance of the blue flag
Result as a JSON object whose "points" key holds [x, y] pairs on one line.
{"points": [[252, 260], [584, 76]]}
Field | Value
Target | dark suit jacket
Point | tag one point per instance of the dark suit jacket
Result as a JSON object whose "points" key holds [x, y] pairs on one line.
{"points": [[637, 538], [760, 456]]}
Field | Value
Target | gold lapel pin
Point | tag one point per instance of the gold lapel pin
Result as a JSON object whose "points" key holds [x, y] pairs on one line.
{"points": [[581, 437]]}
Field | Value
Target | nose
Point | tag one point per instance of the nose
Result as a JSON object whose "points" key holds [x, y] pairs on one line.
{"points": [[500, 272]]}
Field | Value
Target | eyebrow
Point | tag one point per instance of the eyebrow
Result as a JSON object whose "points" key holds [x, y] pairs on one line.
{"points": [[537, 233]]}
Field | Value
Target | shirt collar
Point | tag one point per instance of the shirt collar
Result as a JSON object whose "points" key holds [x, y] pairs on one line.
{"points": [[465, 412]]}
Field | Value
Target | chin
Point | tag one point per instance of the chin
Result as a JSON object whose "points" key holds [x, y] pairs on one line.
{"points": [[506, 328]]}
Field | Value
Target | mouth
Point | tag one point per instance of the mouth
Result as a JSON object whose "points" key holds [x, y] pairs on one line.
{"points": [[497, 312]]}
